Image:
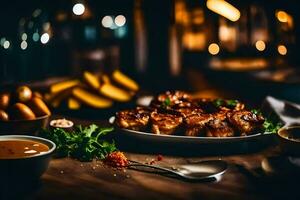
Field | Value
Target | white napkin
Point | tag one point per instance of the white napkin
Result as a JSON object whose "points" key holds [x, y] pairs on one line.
{"points": [[287, 112]]}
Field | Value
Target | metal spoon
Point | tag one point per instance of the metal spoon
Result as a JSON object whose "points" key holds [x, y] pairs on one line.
{"points": [[203, 170]]}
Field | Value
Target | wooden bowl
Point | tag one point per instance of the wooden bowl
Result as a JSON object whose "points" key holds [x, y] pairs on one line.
{"points": [[23, 127]]}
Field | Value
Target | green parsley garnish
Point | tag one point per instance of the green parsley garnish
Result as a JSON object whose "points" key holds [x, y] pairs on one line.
{"points": [[84, 143], [229, 103], [218, 102], [232, 102], [166, 102], [270, 126], [256, 111]]}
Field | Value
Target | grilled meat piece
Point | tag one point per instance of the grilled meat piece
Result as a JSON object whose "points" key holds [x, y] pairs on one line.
{"points": [[196, 131], [232, 105], [245, 121], [165, 123], [219, 128], [195, 123], [173, 96], [205, 104], [198, 119], [221, 115], [239, 106], [170, 99], [136, 119], [187, 111]]}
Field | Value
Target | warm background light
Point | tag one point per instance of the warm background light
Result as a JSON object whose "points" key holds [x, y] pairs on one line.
{"points": [[120, 20], [213, 49], [260, 45], [282, 16], [282, 50], [224, 8]]}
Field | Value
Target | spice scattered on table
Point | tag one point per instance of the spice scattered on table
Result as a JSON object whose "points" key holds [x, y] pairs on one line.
{"points": [[159, 157], [154, 160]]}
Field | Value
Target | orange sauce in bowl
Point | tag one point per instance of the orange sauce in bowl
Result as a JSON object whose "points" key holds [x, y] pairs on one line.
{"points": [[14, 149]]}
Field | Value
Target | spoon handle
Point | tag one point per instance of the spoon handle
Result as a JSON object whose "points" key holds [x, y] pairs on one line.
{"points": [[137, 164]]}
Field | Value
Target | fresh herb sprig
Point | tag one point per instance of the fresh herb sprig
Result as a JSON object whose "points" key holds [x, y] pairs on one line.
{"points": [[222, 102], [166, 102], [269, 125], [83, 143]]}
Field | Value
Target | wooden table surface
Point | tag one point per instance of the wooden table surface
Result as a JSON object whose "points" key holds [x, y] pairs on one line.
{"points": [[70, 179]]}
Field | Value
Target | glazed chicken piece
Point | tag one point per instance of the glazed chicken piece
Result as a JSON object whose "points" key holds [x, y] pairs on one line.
{"points": [[170, 99], [173, 96], [164, 123], [219, 128], [245, 121], [239, 106], [187, 111], [195, 124], [205, 104], [197, 131], [136, 119]]}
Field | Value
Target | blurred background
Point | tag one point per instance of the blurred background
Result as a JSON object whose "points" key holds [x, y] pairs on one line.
{"points": [[246, 49]]}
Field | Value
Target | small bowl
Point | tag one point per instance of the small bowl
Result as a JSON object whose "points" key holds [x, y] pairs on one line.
{"points": [[23, 127], [25, 168], [289, 138], [66, 127]]}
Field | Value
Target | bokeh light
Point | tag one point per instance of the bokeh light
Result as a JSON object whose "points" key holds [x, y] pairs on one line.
{"points": [[24, 36], [2, 40], [24, 45], [107, 21], [282, 50], [213, 49], [282, 16], [78, 9], [260, 45], [120, 20], [6, 44], [45, 38], [36, 37]]}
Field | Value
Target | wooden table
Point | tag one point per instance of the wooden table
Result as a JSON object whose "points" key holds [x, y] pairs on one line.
{"points": [[70, 179]]}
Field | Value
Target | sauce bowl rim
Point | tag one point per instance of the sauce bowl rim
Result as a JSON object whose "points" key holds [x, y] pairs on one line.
{"points": [[287, 128]]}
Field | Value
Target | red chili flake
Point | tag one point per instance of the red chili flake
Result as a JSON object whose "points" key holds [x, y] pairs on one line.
{"points": [[159, 157], [152, 162], [116, 159]]}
